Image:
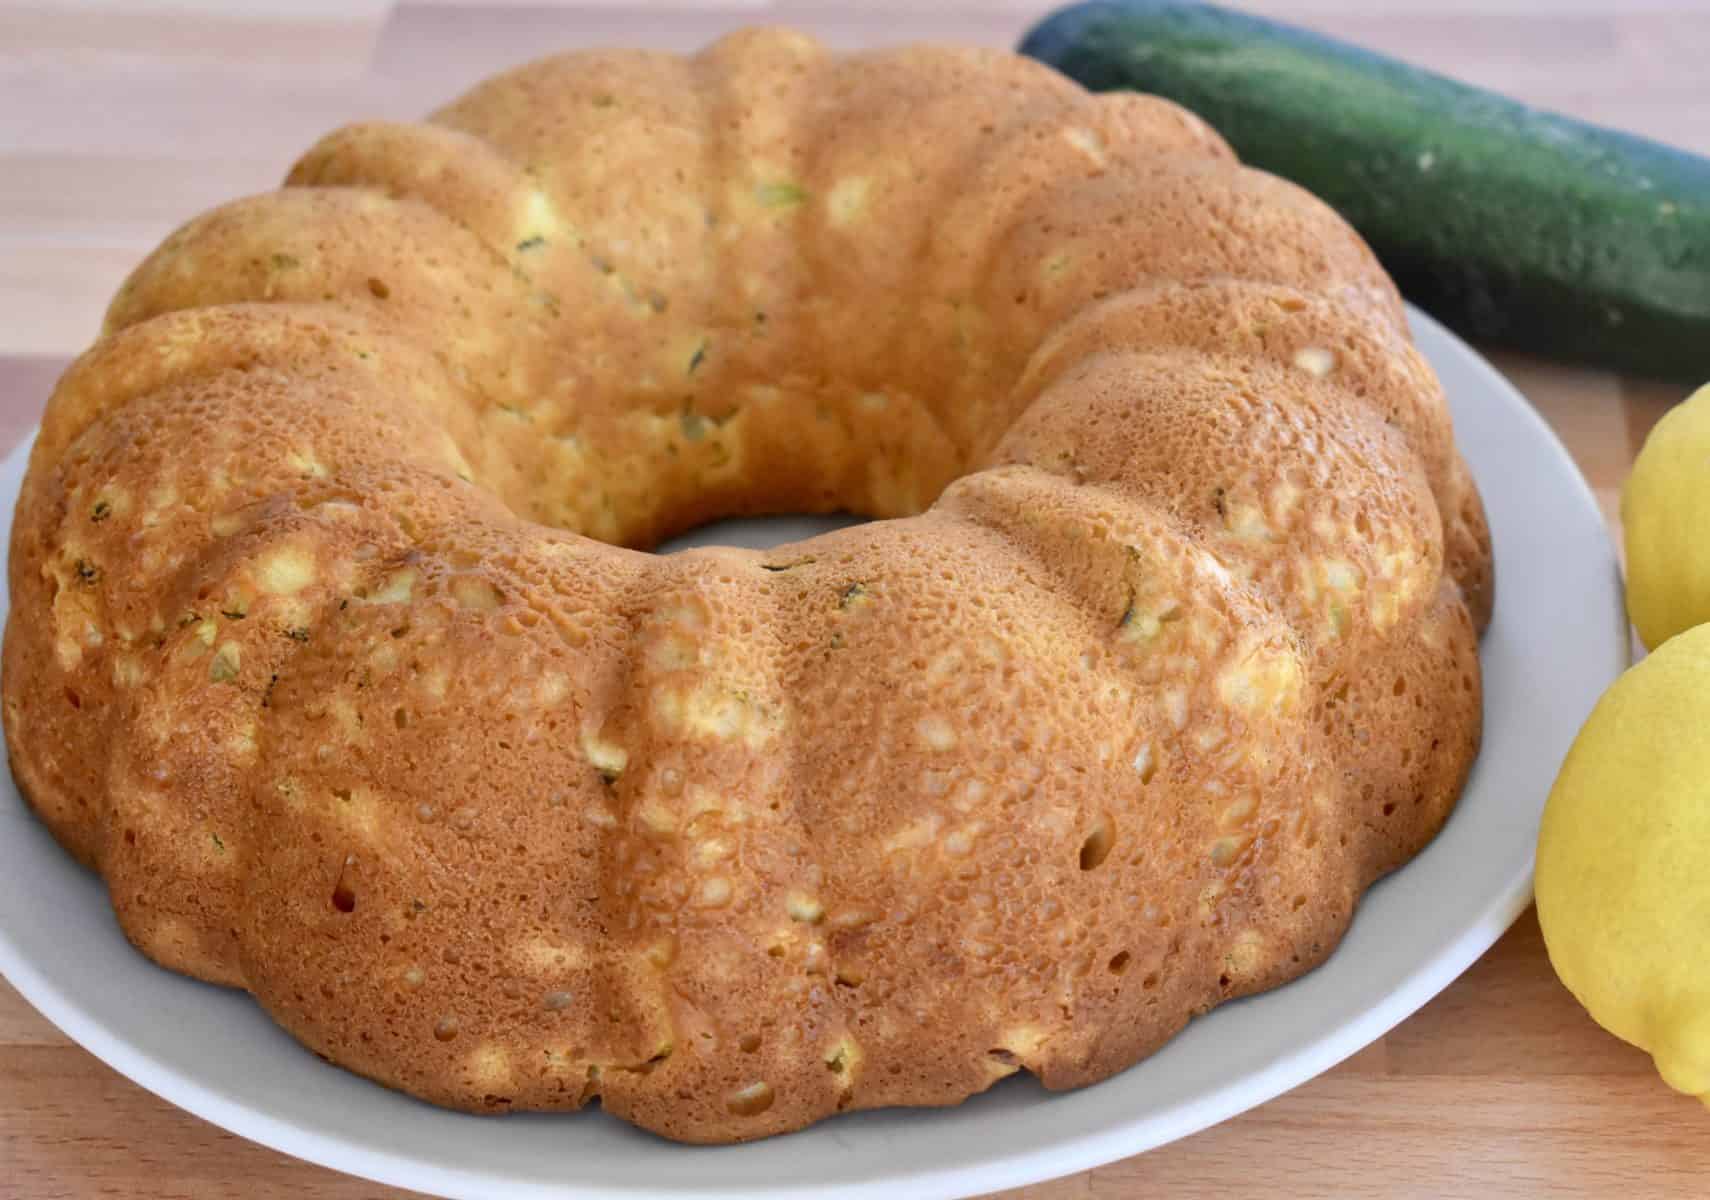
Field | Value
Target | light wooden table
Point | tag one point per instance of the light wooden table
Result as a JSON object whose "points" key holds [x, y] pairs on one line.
{"points": [[115, 125]]}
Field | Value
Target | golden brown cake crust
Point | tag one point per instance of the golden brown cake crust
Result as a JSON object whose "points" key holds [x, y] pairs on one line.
{"points": [[1171, 652]]}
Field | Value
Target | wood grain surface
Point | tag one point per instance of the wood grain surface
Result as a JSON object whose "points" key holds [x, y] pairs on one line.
{"points": [[120, 118]]}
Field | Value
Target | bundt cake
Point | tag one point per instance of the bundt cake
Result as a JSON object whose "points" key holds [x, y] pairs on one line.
{"points": [[335, 649]]}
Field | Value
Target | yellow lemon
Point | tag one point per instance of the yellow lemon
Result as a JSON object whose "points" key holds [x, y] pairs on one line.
{"points": [[1665, 515], [1622, 886]]}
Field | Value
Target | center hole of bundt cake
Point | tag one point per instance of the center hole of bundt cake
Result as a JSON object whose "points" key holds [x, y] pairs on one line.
{"points": [[759, 533], [748, 466]]}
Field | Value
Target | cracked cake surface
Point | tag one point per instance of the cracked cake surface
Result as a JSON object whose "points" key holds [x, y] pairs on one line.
{"points": [[335, 648]]}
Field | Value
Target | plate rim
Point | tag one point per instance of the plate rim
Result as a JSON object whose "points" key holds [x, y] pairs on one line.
{"points": [[349, 1154]]}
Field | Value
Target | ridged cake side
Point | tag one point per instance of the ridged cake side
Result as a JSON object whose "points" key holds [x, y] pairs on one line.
{"points": [[1174, 653]]}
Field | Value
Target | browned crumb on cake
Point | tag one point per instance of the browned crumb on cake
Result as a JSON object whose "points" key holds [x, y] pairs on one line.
{"points": [[324, 651]]}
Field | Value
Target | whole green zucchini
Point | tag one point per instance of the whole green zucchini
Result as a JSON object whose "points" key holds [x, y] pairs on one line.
{"points": [[1513, 225]]}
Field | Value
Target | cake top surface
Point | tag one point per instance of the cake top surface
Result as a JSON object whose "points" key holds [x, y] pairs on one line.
{"points": [[336, 667]]}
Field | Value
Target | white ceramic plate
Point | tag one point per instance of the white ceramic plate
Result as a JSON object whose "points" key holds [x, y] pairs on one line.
{"points": [[1558, 638]]}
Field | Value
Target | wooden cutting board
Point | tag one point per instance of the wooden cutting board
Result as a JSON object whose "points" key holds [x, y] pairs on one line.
{"points": [[115, 124]]}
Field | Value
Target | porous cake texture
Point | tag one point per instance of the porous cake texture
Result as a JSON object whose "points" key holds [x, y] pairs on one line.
{"points": [[335, 649]]}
